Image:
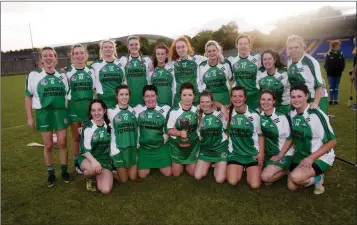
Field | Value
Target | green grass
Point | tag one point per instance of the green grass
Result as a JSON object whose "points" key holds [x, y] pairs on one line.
{"points": [[164, 200]]}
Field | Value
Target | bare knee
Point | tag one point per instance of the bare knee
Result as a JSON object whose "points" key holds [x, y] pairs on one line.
{"points": [[255, 185], [143, 174], [176, 173], [105, 190], [48, 146], [62, 145], [266, 178], [220, 180], [296, 178], [198, 176], [233, 181]]}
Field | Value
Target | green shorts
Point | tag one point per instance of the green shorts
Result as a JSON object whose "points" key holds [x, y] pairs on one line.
{"points": [[284, 163], [244, 160], [110, 101], [51, 119], [127, 157], [218, 154], [183, 155], [104, 161], [154, 158], [323, 166], [78, 111], [284, 109]]}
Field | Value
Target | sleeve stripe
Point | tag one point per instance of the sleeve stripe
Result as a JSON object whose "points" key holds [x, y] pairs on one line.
{"points": [[311, 66], [324, 124]]}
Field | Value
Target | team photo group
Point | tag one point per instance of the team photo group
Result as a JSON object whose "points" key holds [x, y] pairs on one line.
{"points": [[176, 111]]}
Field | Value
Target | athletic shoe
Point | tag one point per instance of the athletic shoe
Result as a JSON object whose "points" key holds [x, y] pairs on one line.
{"points": [[90, 185], [51, 180], [319, 186], [66, 177], [78, 170], [336, 103], [330, 102]]}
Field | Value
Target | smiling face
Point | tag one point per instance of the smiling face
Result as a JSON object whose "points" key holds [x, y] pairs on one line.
{"points": [[150, 99], [238, 98], [108, 49], [298, 99], [48, 59], [187, 96], [123, 97], [206, 103], [268, 61], [97, 112], [243, 46], [267, 102], [181, 49], [134, 46], [79, 55], [212, 52], [295, 50]]}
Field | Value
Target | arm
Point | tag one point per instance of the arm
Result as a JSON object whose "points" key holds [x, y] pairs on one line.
{"points": [[260, 156], [318, 95], [286, 146], [28, 106], [86, 148], [177, 133]]}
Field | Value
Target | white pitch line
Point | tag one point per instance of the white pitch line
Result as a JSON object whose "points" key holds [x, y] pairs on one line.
{"points": [[9, 128]]}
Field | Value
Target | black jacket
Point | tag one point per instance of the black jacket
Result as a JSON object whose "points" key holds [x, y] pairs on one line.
{"points": [[334, 63]]}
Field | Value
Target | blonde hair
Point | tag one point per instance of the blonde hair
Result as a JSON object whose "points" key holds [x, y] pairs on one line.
{"points": [[243, 35], [79, 46], [101, 48], [219, 48], [297, 39], [47, 48]]}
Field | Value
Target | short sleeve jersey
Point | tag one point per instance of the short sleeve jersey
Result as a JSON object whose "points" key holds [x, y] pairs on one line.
{"points": [[212, 129], [310, 130], [137, 76], [108, 75], [95, 139], [187, 70], [276, 130], [81, 83], [174, 120], [306, 71], [152, 126], [277, 82], [164, 80], [47, 90], [124, 129], [245, 71], [244, 130], [216, 80]]}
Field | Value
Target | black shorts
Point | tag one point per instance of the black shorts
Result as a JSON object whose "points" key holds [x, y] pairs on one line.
{"points": [[316, 168], [244, 165]]}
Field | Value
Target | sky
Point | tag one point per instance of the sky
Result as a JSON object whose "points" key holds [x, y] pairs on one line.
{"points": [[66, 23]]}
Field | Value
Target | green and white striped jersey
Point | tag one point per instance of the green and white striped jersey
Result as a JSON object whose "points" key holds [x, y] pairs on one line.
{"points": [[216, 80], [187, 70], [47, 90], [174, 117], [310, 130], [277, 82], [95, 139], [124, 129], [163, 79], [137, 75], [306, 71], [212, 129], [276, 130], [81, 83], [108, 75], [245, 71], [244, 130], [152, 126]]}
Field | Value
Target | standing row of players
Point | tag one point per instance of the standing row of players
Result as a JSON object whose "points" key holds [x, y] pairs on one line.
{"points": [[45, 92]]}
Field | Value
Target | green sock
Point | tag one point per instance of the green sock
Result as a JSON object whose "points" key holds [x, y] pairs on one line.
{"points": [[50, 170], [63, 168]]}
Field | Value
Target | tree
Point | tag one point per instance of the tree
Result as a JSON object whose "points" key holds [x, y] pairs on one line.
{"points": [[226, 35], [199, 41], [93, 50]]}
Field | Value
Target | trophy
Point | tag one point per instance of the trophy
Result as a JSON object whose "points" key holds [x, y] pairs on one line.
{"points": [[185, 142]]}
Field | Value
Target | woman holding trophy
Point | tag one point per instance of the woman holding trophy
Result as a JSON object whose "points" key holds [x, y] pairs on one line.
{"points": [[182, 127]]}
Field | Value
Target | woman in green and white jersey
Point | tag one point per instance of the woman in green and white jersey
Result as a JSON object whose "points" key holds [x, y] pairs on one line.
{"points": [[214, 143], [94, 158], [186, 67], [162, 77], [81, 85], [123, 147], [246, 141], [304, 69], [109, 73], [215, 73], [183, 156], [45, 92], [154, 150], [245, 65], [276, 129], [136, 70], [273, 75], [313, 140]]}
